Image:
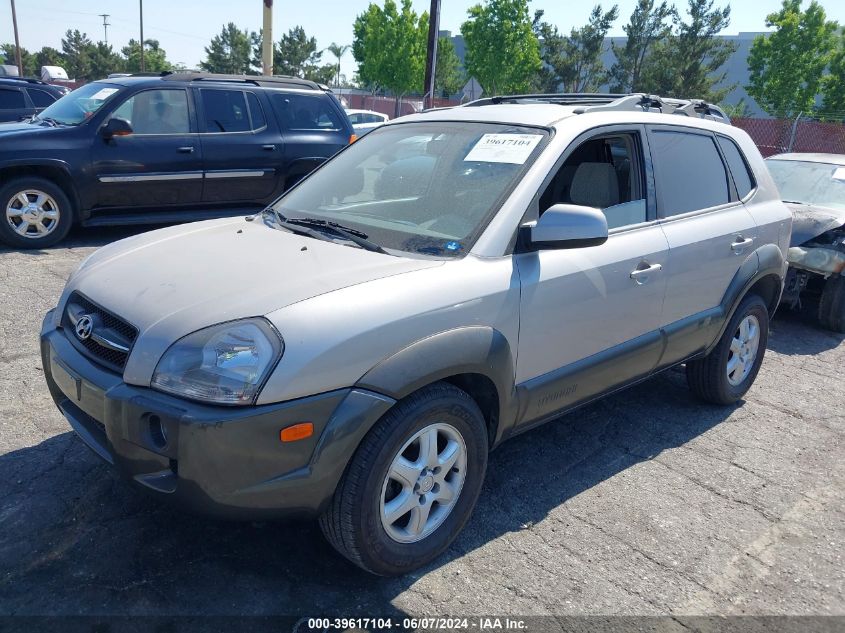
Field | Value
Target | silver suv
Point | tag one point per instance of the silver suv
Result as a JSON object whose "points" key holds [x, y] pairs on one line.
{"points": [[459, 276]]}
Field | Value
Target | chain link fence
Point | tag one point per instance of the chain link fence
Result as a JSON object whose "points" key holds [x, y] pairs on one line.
{"points": [[775, 136]]}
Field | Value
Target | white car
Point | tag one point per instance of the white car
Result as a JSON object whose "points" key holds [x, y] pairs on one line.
{"points": [[364, 121]]}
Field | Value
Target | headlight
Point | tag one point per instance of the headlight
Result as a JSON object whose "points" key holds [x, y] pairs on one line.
{"points": [[226, 363]]}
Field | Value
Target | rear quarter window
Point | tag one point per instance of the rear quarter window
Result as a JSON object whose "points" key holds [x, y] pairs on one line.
{"points": [[41, 98], [743, 178], [299, 112]]}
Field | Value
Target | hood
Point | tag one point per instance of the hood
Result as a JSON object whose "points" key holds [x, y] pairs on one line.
{"points": [[810, 221], [171, 282], [19, 128]]}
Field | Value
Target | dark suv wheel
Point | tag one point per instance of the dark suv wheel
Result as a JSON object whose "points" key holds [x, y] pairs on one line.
{"points": [[36, 213], [726, 373], [412, 484]]}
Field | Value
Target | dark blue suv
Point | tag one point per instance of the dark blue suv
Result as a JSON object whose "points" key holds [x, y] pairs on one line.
{"points": [[164, 148]]}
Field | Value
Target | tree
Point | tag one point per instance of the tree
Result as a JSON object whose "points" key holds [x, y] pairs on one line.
{"points": [[786, 67], [77, 54], [229, 52], [502, 50], [155, 57], [27, 59], [686, 64], [575, 61], [338, 51], [389, 45], [833, 88], [47, 56], [296, 55], [648, 24], [104, 61], [448, 76]]}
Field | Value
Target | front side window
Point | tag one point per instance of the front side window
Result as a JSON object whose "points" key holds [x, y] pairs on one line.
{"points": [[156, 112], [225, 111], [606, 173], [80, 105], [689, 172], [11, 99], [425, 188], [300, 112]]}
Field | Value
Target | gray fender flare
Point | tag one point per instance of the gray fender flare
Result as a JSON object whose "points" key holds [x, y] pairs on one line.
{"points": [[466, 350]]}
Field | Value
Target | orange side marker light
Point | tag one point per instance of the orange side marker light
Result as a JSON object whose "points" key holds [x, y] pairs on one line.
{"points": [[353, 138], [296, 432]]}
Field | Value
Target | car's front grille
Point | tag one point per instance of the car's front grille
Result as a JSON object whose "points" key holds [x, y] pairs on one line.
{"points": [[103, 336]]}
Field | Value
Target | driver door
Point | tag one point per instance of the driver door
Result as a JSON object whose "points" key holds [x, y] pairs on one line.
{"points": [[160, 163]]}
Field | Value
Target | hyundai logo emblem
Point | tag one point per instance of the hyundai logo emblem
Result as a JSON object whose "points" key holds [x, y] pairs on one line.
{"points": [[84, 326]]}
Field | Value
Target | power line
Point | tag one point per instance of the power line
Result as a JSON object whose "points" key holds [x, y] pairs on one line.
{"points": [[106, 26]]}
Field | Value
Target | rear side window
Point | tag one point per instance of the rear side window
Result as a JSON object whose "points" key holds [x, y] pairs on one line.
{"points": [[41, 98], [689, 172], [11, 99], [256, 112], [743, 179], [304, 112], [225, 111]]}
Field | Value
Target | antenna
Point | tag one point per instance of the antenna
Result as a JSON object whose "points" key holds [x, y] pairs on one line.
{"points": [[106, 25]]}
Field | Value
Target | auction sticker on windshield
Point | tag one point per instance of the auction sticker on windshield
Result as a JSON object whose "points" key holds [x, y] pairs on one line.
{"points": [[103, 94], [504, 148], [839, 174]]}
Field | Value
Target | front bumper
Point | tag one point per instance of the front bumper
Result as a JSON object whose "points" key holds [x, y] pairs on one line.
{"points": [[226, 461]]}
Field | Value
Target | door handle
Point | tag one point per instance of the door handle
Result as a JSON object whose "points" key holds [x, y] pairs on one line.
{"points": [[640, 275], [269, 147], [185, 150], [740, 244]]}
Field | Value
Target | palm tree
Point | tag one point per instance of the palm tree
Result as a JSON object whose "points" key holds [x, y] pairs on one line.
{"points": [[338, 51]]}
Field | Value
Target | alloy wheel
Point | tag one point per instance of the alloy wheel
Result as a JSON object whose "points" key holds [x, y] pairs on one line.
{"points": [[32, 213]]}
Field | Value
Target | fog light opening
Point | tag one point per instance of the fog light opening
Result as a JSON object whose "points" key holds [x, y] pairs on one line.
{"points": [[157, 432]]}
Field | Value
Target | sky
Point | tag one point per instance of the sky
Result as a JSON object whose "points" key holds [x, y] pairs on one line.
{"points": [[184, 27]]}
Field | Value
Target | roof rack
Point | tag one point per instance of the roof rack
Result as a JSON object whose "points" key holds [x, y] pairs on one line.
{"points": [[31, 80], [257, 80], [612, 102]]}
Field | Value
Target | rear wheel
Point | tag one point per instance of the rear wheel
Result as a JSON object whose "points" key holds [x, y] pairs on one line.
{"points": [[727, 373], [36, 213], [832, 304], [412, 484]]}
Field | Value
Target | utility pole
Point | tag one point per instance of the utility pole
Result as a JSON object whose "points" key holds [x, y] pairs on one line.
{"points": [[106, 26], [17, 41], [267, 39], [431, 57], [141, 5]]}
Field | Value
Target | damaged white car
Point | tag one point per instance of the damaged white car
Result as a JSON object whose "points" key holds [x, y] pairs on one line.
{"points": [[813, 186]]}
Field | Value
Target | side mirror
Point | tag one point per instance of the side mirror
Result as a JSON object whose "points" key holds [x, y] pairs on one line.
{"points": [[568, 226], [115, 127]]}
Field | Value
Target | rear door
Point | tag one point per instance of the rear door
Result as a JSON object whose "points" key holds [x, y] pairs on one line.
{"points": [[160, 163], [709, 230], [14, 104], [242, 147]]}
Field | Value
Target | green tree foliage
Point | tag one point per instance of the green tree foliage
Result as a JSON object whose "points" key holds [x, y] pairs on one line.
{"points": [[338, 50], [649, 23], [449, 77], [47, 56], [103, 61], [155, 57], [833, 88], [296, 55], [390, 45], [574, 62], [502, 50], [27, 59], [76, 48], [229, 52], [688, 62], [787, 66]]}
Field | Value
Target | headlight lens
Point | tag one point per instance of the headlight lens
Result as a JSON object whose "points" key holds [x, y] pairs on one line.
{"points": [[225, 363]]}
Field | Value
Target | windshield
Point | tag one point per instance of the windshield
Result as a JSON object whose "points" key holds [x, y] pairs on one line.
{"points": [[821, 184], [79, 105], [426, 188]]}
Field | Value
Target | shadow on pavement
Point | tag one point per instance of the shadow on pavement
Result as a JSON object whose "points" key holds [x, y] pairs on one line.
{"points": [[798, 332], [75, 539]]}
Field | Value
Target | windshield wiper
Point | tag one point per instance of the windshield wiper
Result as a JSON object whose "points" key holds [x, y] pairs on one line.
{"points": [[353, 235]]}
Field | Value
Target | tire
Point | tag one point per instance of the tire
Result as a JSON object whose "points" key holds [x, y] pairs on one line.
{"points": [[357, 522], [832, 304], [46, 223], [710, 378]]}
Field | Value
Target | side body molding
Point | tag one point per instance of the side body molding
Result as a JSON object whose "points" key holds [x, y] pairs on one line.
{"points": [[466, 350]]}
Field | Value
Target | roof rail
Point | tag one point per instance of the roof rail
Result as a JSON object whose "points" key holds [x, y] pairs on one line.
{"points": [[30, 80], [612, 102], [257, 80]]}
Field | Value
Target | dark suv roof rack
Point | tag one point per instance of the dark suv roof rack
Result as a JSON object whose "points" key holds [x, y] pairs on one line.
{"points": [[30, 80], [608, 102], [256, 80]]}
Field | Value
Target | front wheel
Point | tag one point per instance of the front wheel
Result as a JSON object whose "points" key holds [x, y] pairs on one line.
{"points": [[727, 372], [832, 304], [36, 213], [412, 483]]}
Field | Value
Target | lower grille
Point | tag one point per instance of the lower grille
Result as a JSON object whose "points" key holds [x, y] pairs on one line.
{"points": [[101, 335]]}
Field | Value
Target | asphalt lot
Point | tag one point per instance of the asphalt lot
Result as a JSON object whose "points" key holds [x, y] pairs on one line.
{"points": [[646, 503]]}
